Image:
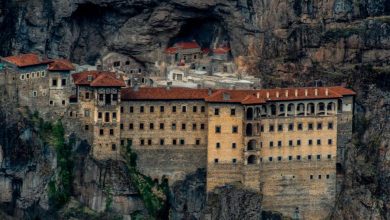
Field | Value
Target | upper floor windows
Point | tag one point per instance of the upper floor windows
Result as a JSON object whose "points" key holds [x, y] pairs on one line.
{"points": [[233, 112], [216, 111]]}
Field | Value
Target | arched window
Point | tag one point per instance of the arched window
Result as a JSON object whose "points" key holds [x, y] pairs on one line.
{"points": [[331, 107], [273, 109], [281, 109], [263, 110], [301, 109], [310, 109], [251, 145], [249, 114], [249, 129], [290, 109], [252, 159], [321, 108]]}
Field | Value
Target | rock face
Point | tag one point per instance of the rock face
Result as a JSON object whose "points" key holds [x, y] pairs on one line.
{"points": [[286, 42]]}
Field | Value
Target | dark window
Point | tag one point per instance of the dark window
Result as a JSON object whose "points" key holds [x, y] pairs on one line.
{"points": [[234, 145], [299, 157], [113, 147], [234, 160], [107, 118], [151, 109], [122, 110], [87, 95], [141, 126], [114, 97], [309, 157], [299, 142], [319, 142], [280, 127], [162, 109], [122, 142], [290, 143], [311, 177], [330, 141], [173, 126], [101, 97], [218, 129], [184, 108], [330, 125], [101, 132], [235, 129], [261, 128], [131, 110], [174, 141], [202, 109], [183, 126], [216, 160], [161, 126], [173, 108], [300, 126], [194, 109], [271, 144], [279, 143], [114, 115], [327, 176], [329, 156], [151, 126], [54, 82], [121, 126], [86, 127], [290, 157], [233, 112], [319, 126], [141, 109], [291, 127], [149, 141], [182, 142], [142, 142], [271, 128], [318, 157], [279, 158], [319, 176], [218, 145], [197, 142], [270, 158], [202, 126], [310, 142], [216, 111], [112, 132], [131, 126], [194, 127], [310, 126], [100, 115]]}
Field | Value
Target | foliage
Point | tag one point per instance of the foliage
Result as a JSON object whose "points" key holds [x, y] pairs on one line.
{"points": [[154, 195], [109, 199]]}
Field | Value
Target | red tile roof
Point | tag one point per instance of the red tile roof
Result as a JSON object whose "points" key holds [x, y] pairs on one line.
{"points": [[151, 93], [25, 60], [182, 46], [98, 79], [221, 50], [171, 50], [246, 97], [61, 65]]}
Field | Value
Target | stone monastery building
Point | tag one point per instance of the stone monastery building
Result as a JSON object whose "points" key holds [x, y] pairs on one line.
{"points": [[287, 144]]}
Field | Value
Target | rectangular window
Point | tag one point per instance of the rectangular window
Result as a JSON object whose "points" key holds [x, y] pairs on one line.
{"points": [[54, 82], [202, 126], [193, 127], [290, 143], [174, 142], [218, 129], [300, 126], [280, 127], [173, 109], [218, 145], [202, 109], [330, 125], [107, 118], [194, 109], [279, 158], [182, 142], [271, 128], [112, 132], [162, 142], [141, 109], [142, 142], [299, 157], [234, 145], [329, 156], [270, 159], [319, 176], [162, 109], [216, 160], [173, 126], [149, 142], [279, 143], [234, 160], [311, 177], [327, 176], [151, 126], [122, 142], [113, 147], [115, 97], [310, 126], [216, 111], [183, 126], [122, 109], [290, 157], [151, 109], [86, 127], [114, 115], [87, 113], [101, 132], [233, 112], [318, 157], [197, 142], [121, 126], [261, 128], [310, 142], [161, 126], [235, 129], [141, 126], [87, 95], [184, 109], [271, 144], [298, 142], [291, 127], [101, 97], [319, 142], [329, 141], [131, 126], [319, 126], [63, 82], [131, 109], [309, 157]]}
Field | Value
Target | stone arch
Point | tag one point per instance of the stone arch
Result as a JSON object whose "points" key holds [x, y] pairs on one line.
{"points": [[249, 113], [251, 145], [301, 109], [321, 108], [331, 108], [281, 110], [249, 129], [273, 110], [310, 109], [263, 110], [291, 109], [252, 159]]}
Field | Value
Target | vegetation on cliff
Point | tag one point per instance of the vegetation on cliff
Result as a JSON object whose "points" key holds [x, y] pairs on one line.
{"points": [[154, 195]]}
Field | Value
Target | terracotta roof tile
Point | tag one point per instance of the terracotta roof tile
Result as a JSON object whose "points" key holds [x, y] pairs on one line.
{"points": [[186, 45], [97, 79], [25, 60], [151, 93], [221, 50], [61, 65]]}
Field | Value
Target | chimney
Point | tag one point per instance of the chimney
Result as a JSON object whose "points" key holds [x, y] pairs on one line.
{"points": [[286, 93], [326, 91], [296, 92], [305, 92], [226, 96], [267, 95], [316, 92], [258, 95], [209, 92], [277, 94]]}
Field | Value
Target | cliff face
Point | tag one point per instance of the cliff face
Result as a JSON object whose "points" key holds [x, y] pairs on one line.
{"points": [[287, 42]]}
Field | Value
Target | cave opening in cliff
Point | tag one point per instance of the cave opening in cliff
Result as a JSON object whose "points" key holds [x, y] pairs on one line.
{"points": [[208, 32]]}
